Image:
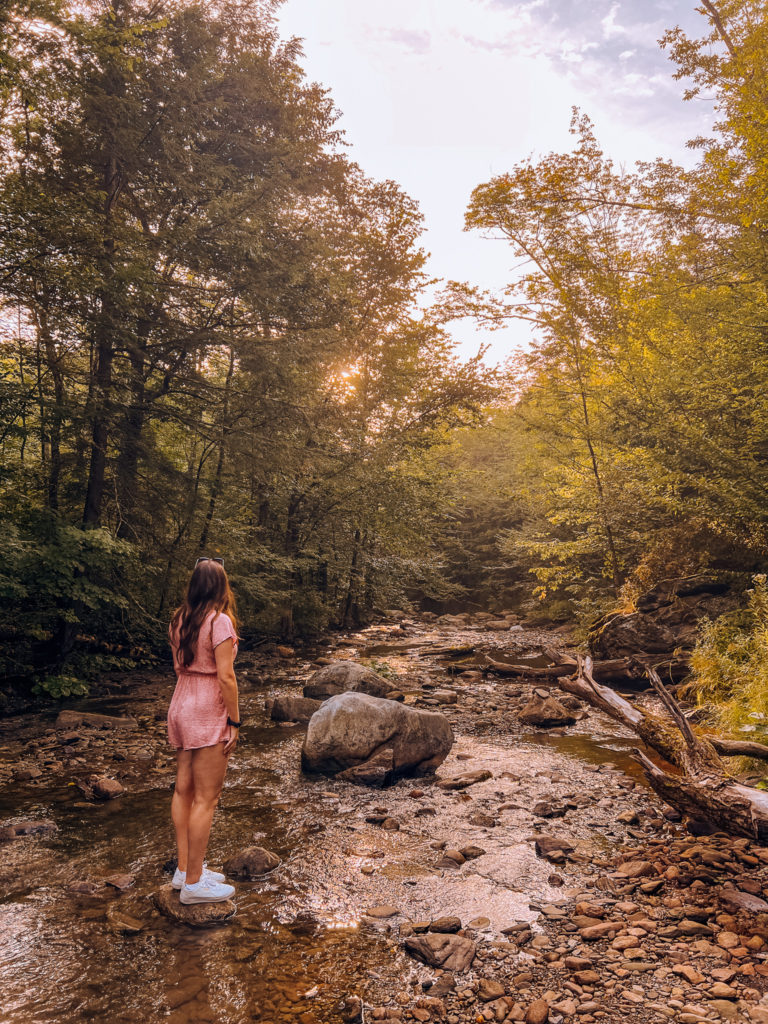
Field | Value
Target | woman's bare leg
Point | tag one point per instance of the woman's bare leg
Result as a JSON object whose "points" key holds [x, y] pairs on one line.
{"points": [[208, 767], [181, 805]]}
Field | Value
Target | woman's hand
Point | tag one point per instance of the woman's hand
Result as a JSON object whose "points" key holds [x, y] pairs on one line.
{"points": [[231, 743]]}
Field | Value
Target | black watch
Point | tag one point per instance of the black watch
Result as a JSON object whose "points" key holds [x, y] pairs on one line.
{"points": [[235, 725]]}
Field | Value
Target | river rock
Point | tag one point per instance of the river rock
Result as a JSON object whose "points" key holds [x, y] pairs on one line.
{"points": [[451, 952], [553, 848], [121, 923], [351, 1010], [445, 925], [26, 828], [373, 772], [546, 713], [251, 863], [197, 915], [343, 677], [549, 807], [489, 989], [538, 1012], [78, 719], [292, 709], [107, 789], [465, 779], [353, 728]]}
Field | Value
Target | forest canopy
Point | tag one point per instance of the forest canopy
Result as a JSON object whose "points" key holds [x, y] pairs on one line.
{"points": [[634, 446], [216, 337], [212, 339]]}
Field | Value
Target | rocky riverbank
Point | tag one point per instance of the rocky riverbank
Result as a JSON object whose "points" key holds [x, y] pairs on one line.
{"points": [[534, 879]]}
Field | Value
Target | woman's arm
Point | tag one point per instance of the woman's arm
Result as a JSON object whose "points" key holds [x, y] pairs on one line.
{"points": [[225, 670]]}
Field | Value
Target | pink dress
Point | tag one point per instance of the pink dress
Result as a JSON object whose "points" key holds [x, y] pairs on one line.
{"points": [[197, 716]]}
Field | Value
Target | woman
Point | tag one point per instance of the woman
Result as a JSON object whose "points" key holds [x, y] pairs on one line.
{"points": [[203, 722]]}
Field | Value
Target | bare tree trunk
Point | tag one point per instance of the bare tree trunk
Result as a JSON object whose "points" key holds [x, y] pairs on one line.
{"points": [[102, 374], [216, 485], [347, 617], [56, 414]]}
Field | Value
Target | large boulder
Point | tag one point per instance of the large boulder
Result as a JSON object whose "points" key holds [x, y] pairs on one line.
{"points": [[666, 619], [353, 729], [344, 677]]}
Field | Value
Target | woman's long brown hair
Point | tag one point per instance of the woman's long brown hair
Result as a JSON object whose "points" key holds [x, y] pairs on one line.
{"points": [[208, 590]]}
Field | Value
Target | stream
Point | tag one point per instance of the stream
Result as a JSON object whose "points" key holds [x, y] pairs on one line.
{"points": [[301, 939]]}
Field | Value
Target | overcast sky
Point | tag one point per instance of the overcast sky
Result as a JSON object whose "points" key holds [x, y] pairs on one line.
{"points": [[440, 95]]}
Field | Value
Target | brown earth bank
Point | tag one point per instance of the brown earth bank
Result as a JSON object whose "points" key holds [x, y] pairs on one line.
{"points": [[534, 878]]}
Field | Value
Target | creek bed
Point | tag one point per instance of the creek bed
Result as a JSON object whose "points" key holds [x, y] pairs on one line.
{"points": [[302, 929]]}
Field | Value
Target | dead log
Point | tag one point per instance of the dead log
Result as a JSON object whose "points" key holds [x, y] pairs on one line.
{"points": [[703, 790], [616, 669], [740, 748]]}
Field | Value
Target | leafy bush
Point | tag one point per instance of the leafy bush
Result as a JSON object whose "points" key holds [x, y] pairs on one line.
{"points": [[63, 592], [729, 666]]}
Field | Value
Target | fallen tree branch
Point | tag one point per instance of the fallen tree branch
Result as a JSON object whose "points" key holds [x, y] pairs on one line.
{"points": [[740, 748], [703, 790], [616, 668]]}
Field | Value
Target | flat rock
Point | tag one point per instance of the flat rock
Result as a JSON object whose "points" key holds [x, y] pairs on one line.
{"points": [[120, 881], [445, 925], [744, 901], [553, 847], [472, 852], [482, 820], [252, 862], [26, 828], [549, 808], [122, 923], [489, 989], [635, 869], [465, 779], [383, 911], [450, 952], [68, 720], [292, 709], [196, 915], [537, 1012]]}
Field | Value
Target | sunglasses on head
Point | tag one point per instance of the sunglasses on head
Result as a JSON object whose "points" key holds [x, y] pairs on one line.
{"points": [[205, 558]]}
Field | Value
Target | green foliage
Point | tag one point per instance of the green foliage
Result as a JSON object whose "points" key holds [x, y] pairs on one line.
{"points": [[636, 421], [383, 668], [729, 666], [60, 587], [212, 338]]}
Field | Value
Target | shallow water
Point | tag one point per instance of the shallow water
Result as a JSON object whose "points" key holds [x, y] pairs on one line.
{"points": [[298, 931]]}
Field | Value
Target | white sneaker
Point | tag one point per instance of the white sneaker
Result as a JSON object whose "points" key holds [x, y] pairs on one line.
{"points": [[180, 877], [206, 891]]}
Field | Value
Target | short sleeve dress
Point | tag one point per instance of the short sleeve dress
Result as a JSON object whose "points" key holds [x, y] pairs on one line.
{"points": [[197, 716]]}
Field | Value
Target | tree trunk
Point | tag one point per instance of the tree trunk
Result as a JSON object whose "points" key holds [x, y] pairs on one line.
{"points": [[104, 347], [57, 411], [347, 616], [216, 485], [127, 470]]}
